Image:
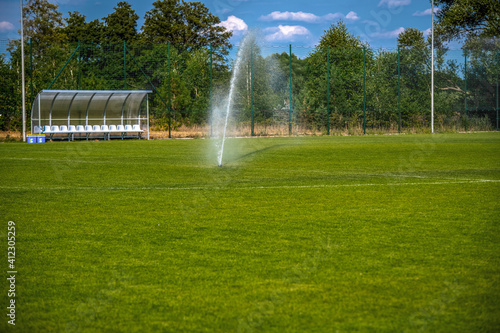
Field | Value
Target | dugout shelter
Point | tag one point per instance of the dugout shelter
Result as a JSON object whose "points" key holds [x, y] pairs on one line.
{"points": [[91, 113]]}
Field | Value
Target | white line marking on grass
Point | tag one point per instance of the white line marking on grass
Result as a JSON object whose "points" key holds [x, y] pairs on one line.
{"points": [[164, 188]]}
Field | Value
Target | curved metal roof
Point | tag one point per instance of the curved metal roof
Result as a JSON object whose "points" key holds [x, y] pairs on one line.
{"points": [[76, 107]]}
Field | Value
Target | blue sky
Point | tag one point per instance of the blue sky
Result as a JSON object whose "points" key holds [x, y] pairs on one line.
{"points": [[280, 22]]}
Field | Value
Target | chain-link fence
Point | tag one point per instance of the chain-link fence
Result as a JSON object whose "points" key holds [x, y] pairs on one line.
{"points": [[324, 91]]}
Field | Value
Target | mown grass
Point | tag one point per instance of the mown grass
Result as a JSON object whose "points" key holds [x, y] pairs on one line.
{"points": [[317, 234]]}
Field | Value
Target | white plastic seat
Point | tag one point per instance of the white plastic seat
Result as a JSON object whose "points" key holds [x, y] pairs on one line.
{"points": [[137, 128], [55, 129], [88, 128], [46, 129], [96, 128], [128, 128], [80, 128], [72, 128], [63, 128], [120, 128], [36, 130], [112, 128], [104, 128]]}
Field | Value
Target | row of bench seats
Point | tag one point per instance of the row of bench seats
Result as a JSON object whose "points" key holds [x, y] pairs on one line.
{"points": [[88, 130]]}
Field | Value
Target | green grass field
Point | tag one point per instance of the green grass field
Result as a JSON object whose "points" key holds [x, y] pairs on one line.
{"points": [[313, 234]]}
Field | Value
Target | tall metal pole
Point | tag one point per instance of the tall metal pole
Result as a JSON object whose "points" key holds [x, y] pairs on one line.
{"points": [[497, 90], [211, 93], [432, 68], [290, 120], [79, 66], [22, 74], [327, 90], [465, 79], [399, 94], [125, 64], [251, 88], [31, 73], [364, 90], [169, 100]]}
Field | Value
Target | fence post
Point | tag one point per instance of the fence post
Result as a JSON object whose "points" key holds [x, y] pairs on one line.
{"points": [[169, 99], [364, 90], [251, 88], [125, 64], [399, 95], [290, 120], [211, 93], [327, 90], [465, 79]]}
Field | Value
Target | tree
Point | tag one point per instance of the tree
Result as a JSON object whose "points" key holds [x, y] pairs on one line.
{"points": [[10, 101], [345, 52], [43, 22], [77, 29], [43, 25], [411, 37], [414, 63], [187, 25], [280, 83], [338, 36], [121, 25], [457, 19]]}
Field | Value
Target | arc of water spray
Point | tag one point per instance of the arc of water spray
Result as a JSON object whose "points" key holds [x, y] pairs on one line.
{"points": [[236, 72]]}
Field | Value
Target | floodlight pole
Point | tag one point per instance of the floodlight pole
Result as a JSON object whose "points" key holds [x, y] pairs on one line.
{"points": [[211, 91], [364, 90], [251, 89], [432, 68], [22, 74], [290, 120], [399, 94], [169, 99], [327, 90], [465, 87], [125, 65]]}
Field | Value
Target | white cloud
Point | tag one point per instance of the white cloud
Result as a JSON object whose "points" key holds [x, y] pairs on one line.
{"points": [[234, 24], [427, 32], [388, 34], [6, 26], [290, 16], [307, 17], [334, 16], [426, 12], [286, 33], [394, 3], [352, 16], [68, 2]]}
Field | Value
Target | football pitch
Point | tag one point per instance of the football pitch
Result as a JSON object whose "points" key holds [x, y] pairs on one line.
{"points": [[302, 234]]}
